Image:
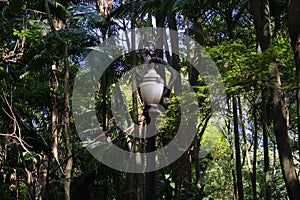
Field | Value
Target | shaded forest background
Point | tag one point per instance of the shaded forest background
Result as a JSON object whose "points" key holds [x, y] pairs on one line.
{"points": [[253, 153]]}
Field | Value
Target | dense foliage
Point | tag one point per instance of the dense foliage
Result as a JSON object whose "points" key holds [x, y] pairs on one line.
{"points": [[248, 151]]}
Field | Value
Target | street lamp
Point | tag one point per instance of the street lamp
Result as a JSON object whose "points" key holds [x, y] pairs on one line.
{"points": [[151, 92], [152, 88]]}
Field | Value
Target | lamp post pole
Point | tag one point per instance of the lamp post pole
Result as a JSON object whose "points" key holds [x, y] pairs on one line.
{"points": [[150, 113], [151, 91]]}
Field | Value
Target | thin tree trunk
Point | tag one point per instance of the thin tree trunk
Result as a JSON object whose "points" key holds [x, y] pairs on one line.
{"points": [[54, 113], [193, 76], [230, 140], [182, 161], [192, 72], [230, 24], [237, 149], [66, 124], [297, 58], [160, 23], [254, 189], [175, 52], [274, 194], [66, 121], [135, 180], [104, 101], [249, 165], [266, 146]]}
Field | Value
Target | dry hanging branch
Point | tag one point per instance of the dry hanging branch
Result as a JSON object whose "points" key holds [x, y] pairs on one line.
{"points": [[16, 133]]}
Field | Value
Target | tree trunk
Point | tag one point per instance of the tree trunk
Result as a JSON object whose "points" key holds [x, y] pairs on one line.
{"points": [[66, 118], [104, 101], [230, 24], [135, 180], [230, 141], [274, 193], [183, 160], [66, 124], [282, 137], [261, 14], [255, 145], [293, 7], [192, 72], [54, 113], [242, 122], [237, 149], [175, 52], [160, 23], [266, 146], [193, 76]]}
